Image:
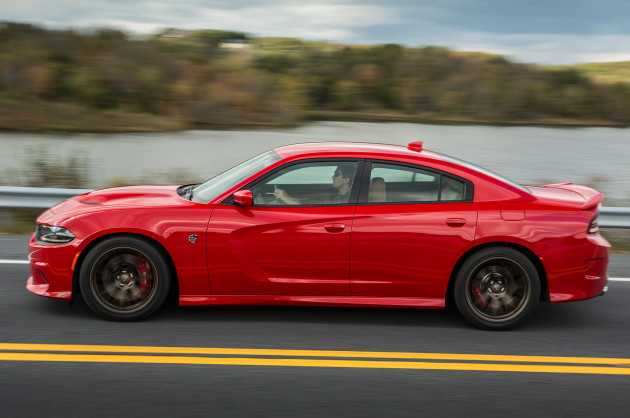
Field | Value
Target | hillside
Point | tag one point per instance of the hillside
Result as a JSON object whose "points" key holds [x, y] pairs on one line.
{"points": [[106, 80], [606, 72]]}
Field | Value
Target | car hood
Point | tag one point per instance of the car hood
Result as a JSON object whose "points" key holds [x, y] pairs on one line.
{"points": [[132, 196], [581, 196]]}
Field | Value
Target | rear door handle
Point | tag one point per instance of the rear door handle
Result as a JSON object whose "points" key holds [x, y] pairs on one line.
{"points": [[455, 221], [334, 227]]}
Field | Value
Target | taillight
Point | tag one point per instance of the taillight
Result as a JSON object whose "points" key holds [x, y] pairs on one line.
{"points": [[593, 227]]}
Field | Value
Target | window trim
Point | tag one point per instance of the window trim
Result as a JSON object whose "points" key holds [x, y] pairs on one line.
{"points": [[352, 198], [365, 184]]}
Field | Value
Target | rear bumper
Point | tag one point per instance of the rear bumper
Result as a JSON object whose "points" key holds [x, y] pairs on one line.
{"points": [[584, 274]]}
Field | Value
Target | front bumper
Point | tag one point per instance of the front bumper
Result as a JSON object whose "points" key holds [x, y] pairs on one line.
{"points": [[51, 269]]}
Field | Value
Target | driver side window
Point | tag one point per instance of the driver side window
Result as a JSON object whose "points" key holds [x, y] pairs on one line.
{"points": [[308, 184]]}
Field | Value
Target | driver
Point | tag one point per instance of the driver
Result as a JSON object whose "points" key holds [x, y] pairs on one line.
{"points": [[342, 182]]}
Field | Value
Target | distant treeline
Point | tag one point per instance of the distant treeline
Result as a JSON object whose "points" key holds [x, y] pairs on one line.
{"points": [[108, 80]]}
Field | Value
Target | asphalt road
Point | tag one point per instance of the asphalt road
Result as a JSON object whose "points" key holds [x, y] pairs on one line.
{"points": [[595, 328]]}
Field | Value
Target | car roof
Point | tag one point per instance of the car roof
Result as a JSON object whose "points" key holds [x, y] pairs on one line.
{"points": [[355, 148]]}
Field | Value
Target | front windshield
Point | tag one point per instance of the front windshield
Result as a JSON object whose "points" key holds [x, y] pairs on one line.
{"points": [[212, 188], [484, 171]]}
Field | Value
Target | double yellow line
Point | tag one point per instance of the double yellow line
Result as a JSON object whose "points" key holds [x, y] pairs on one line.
{"points": [[311, 358]]}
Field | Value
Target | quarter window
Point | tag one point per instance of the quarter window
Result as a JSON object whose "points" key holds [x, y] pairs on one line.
{"points": [[451, 189]]}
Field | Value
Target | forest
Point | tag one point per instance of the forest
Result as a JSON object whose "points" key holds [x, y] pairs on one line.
{"points": [[102, 80]]}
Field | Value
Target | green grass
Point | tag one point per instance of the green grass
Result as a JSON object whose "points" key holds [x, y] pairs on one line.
{"points": [[605, 72], [17, 115], [619, 238]]}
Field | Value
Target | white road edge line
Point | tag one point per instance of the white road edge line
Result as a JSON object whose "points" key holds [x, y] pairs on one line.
{"points": [[610, 279]]}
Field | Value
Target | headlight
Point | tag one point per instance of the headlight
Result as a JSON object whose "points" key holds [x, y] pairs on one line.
{"points": [[53, 234]]}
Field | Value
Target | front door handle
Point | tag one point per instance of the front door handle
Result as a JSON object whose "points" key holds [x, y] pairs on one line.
{"points": [[455, 221], [334, 227]]}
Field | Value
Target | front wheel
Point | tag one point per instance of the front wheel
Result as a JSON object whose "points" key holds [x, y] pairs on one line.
{"points": [[124, 279], [497, 288]]}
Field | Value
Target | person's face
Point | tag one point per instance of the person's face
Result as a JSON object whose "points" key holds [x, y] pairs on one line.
{"points": [[337, 178]]}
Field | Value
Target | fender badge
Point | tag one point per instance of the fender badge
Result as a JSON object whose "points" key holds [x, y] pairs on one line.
{"points": [[193, 238]]}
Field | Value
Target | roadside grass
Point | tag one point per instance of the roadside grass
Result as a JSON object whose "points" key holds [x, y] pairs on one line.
{"points": [[42, 116], [619, 239]]}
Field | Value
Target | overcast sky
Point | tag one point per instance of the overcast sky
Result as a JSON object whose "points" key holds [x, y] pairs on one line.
{"points": [[532, 31]]}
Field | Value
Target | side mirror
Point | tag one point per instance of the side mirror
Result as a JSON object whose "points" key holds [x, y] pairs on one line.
{"points": [[244, 198]]}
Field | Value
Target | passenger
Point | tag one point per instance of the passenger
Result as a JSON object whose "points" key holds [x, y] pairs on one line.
{"points": [[377, 190]]}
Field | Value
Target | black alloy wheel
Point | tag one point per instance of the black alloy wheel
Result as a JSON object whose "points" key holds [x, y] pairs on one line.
{"points": [[497, 288], [124, 279]]}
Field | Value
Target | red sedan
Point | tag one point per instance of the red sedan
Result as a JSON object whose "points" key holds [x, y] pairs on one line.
{"points": [[328, 224]]}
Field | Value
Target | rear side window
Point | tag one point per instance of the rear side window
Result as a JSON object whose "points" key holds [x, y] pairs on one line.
{"points": [[392, 183]]}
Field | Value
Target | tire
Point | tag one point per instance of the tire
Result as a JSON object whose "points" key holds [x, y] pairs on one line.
{"points": [[497, 288], [124, 279]]}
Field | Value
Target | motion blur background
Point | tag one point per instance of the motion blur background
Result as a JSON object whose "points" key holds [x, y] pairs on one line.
{"points": [[101, 94]]}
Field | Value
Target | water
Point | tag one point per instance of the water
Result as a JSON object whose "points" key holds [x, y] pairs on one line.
{"points": [[596, 157]]}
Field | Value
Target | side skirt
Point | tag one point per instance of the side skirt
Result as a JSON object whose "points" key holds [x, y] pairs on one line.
{"points": [[364, 301]]}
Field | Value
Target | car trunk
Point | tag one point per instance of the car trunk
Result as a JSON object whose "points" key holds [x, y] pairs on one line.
{"points": [[583, 197]]}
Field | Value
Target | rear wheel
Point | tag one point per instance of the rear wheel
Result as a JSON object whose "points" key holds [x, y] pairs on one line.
{"points": [[497, 288], [124, 279]]}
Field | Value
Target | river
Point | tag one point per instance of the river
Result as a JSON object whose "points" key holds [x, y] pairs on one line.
{"points": [[598, 157]]}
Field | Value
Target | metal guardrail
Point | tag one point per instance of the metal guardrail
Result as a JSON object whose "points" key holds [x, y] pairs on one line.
{"points": [[614, 217], [43, 198], [35, 197]]}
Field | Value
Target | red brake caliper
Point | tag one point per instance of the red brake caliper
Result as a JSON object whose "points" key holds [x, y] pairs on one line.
{"points": [[143, 268], [477, 293]]}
